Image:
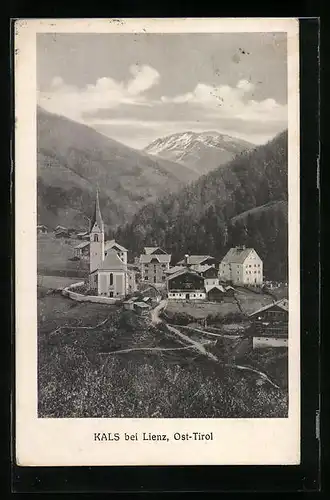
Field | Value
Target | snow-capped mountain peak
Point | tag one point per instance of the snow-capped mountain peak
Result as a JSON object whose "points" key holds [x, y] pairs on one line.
{"points": [[201, 152]]}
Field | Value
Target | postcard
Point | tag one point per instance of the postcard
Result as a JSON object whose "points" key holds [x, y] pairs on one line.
{"points": [[157, 241]]}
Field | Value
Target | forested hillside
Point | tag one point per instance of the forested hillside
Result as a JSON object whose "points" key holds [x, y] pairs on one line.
{"points": [[73, 160], [244, 202]]}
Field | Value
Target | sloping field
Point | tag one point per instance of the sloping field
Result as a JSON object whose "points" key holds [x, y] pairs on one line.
{"points": [[99, 361], [55, 254]]}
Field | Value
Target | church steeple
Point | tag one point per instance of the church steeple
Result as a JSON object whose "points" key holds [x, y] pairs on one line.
{"points": [[97, 217]]}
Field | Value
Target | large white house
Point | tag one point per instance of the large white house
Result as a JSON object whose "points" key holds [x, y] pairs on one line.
{"points": [[108, 271], [241, 266]]}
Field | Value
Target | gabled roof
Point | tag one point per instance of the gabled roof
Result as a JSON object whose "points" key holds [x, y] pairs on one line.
{"points": [[237, 255], [82, 245], [97, 217], [142, 305], [163, 259], [208, 288], [195, 259], [282, 304], [184, 271], [112, 262], [152, 250], [201, 268], [174, 269], [112, 243]]}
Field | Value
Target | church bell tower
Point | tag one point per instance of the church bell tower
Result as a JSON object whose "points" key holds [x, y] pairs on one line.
{"points": [[96, 238]]}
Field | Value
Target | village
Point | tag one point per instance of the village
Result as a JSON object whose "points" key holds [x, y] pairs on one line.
{"points": [[163, 333], [197, 283]]}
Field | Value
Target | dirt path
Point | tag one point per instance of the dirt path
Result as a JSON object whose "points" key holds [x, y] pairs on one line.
{"points": [[197, 345], [155, 319], [152, 349], [222, 335], [77, 327]]}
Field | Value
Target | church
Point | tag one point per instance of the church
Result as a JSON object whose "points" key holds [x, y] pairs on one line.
{"points": [[108, 271]]}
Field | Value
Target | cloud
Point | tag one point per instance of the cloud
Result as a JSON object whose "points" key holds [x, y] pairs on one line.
{"points": [[145, 77], [123, 110], [224, 101], [106, 93]]}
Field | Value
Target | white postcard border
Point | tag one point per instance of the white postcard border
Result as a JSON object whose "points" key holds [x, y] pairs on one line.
{"points": [[69, 442]]}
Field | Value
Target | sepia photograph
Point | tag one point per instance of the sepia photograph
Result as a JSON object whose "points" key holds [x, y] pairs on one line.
{"points": [[162, 225]]}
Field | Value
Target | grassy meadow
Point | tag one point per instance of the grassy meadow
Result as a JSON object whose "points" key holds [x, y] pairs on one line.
{"points": [[96, 360]]}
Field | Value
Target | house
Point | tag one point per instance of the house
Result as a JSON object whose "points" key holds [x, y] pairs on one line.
{"points": [[81, 251], [121, 251], [60, 228], [270, 325], [186, 285], [129, 304], [195, 261], [141, 308], [108, 272], [210, 275], [230, 291], [41, 229], [215, 293], [83, 235], [241, 266], [62, 233], [153, 265]]}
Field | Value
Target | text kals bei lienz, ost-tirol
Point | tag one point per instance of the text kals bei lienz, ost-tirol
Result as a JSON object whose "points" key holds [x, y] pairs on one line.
{"points": [[149, 436]]}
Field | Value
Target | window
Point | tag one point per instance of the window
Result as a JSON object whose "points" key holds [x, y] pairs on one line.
{"points": [[111, 294], [146, 278], [111, 279], [96, 237]]}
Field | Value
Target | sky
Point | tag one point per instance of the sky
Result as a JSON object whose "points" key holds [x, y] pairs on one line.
{"points": [[136, 88]]}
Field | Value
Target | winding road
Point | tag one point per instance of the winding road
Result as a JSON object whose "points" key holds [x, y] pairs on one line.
{"points": [[156, 320]]}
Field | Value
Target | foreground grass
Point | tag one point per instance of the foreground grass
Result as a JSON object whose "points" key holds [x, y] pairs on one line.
{"points": [[78, 377]]}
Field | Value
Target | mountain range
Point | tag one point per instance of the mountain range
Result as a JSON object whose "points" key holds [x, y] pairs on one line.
{"points": [[241, 203], [201, 152], [73, 160]]}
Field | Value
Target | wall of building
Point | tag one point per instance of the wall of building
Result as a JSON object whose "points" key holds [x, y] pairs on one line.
{"points": [[131, 281], [118, 287], [253, 270], [96, 248], [197, 295], [262, 342], [211, 281], [154, 273]]}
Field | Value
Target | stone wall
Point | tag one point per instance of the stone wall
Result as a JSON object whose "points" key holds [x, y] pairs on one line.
{"points": [[69, 292]]}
